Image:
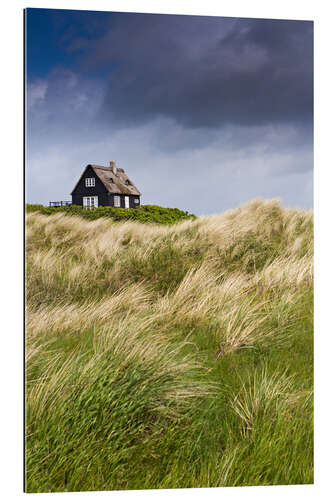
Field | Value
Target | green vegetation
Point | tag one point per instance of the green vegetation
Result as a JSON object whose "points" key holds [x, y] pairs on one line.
{"points": [[144, 213], [170, 356]]}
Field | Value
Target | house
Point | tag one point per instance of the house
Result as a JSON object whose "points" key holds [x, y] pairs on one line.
{"points": [[105, 186]]}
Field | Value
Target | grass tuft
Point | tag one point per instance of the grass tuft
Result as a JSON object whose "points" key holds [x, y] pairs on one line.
{"points": [[169, 355]]}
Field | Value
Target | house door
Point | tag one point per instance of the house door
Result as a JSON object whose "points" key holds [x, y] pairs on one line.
{"points": [[90, 201], [126, 201]]}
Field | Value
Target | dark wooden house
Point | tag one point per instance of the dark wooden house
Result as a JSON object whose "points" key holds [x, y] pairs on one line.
{"points": [[105, 186]]}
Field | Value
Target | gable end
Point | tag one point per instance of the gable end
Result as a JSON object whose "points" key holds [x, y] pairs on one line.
{"points": [[80, 187]]}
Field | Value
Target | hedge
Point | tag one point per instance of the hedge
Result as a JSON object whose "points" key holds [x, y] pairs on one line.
{"points": [[144, 213]]}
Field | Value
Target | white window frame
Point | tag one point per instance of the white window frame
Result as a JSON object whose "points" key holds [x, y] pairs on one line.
{"points": [[136, 200], [90, 201], [116, 200], [90, 182], [127, 202]]}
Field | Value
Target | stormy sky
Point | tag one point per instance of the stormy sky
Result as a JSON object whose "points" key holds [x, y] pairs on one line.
{"points": [[203, 113]]}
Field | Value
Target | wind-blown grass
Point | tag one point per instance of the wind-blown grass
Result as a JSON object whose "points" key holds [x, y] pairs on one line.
{"points": [[169, 356]]}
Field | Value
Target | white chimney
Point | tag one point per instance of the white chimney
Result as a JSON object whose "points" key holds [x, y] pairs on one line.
{"points": [[113, 167]]}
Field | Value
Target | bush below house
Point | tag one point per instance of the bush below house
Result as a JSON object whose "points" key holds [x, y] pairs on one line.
{"points": [[144, 213]]}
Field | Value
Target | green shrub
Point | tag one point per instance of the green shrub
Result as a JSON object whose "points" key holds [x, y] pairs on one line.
{"points": [[144, 213]]}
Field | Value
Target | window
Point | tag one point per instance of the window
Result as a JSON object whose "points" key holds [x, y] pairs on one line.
{"points": [[90, 201], [117, 201], [90, 181], [111, 180], [136, 200], [127, 182]]}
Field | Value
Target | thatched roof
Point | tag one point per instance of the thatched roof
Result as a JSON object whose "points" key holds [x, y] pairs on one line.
{"points": [[114, 179]]}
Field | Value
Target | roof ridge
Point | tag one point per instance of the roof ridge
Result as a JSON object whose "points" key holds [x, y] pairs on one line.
{"points": [[102, 167]]}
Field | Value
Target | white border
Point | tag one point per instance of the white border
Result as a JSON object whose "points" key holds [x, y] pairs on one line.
{"points": [[11, 248]]}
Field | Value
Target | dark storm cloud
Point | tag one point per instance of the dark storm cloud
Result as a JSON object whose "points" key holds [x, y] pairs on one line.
{"points": [[239, 162], [65, 101], [204, 72], [224, 100]]}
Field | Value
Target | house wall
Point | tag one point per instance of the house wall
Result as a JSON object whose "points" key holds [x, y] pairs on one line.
{"points": [[98, 190], [105, 198], [122, 200]]}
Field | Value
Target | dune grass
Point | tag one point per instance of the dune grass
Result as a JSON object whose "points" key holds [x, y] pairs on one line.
{"points": [[169, 356]]}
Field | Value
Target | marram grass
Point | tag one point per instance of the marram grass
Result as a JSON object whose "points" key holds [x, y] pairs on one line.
{"points": [[169, 356]]}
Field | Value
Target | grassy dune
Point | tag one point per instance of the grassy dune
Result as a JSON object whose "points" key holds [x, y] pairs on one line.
{"points": [[170, 356]]}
